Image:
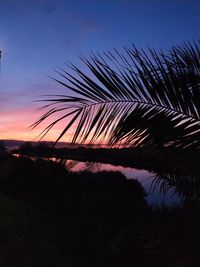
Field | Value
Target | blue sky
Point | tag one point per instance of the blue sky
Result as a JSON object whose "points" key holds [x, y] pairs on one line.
{"points": [[38, 35]]}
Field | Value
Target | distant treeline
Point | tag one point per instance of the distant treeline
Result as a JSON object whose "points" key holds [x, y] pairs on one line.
{"points": [[167, 160]]}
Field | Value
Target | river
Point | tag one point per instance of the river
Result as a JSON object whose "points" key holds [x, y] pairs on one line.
{"points": [[154, 197]]}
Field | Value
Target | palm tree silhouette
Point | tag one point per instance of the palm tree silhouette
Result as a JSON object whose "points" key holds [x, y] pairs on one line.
{"points": [[135, 98]]}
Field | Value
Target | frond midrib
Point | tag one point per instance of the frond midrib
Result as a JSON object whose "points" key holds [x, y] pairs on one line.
{"points": [[150, 104]]}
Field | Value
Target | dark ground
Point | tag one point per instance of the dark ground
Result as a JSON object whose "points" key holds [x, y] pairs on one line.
{"points": [[51, 217]]}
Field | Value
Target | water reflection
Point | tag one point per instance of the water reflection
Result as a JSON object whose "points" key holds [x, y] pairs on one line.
{"points": [[154, 197]]}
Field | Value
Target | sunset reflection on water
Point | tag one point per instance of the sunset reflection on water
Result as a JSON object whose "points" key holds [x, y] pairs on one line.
{"points": [[154, 197]]}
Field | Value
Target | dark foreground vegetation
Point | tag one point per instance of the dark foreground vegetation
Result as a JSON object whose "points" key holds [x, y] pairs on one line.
{"points": [[51, 217], [180, 170]]}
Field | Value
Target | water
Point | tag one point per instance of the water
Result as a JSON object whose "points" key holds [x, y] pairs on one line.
{"points": [[154, 197]]}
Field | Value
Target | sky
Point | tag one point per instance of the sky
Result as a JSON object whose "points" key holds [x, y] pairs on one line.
{"points": [[36, 36]]}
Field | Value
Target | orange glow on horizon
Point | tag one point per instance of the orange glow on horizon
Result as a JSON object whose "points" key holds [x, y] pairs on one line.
{"points": [[14, 125]]}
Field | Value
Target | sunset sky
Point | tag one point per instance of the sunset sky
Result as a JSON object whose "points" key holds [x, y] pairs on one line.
{"points": [[39, 35]]}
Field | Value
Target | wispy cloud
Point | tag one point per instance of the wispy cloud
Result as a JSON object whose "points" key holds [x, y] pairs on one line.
{"points": [[84, 22], [90, 25], [46, 6]]}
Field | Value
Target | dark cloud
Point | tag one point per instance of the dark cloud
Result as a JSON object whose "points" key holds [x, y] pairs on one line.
{"points": [[47, 6]]}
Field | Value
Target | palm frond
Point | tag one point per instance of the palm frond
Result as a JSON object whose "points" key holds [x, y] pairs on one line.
{"points": [[134, 98], [186, 187]]}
